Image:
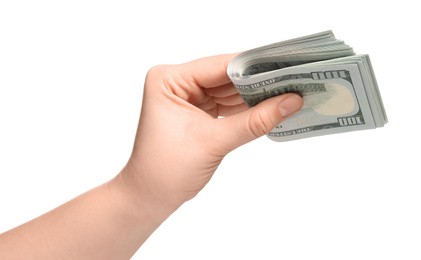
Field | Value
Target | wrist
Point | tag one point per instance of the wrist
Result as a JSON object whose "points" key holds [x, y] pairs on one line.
{"points": [[139, 199]]}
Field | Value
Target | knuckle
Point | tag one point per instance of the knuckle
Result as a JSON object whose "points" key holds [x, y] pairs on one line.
{"points": [[157, 71], [159, 77], [259, 123]]}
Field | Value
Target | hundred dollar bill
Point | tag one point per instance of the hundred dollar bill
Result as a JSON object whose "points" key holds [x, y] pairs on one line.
{"points": [[339, 88]]}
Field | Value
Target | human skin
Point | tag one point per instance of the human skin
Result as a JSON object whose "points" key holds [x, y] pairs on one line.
{"points": [[191, 117]]}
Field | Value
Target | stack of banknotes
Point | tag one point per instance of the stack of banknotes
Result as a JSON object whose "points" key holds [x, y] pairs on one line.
{"points": [[339, 88]]}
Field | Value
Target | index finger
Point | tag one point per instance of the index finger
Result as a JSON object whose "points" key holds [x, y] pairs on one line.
{"points": [[207, 72]]}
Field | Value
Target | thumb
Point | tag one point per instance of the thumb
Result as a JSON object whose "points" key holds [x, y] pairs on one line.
{"points": [[259, 120]]}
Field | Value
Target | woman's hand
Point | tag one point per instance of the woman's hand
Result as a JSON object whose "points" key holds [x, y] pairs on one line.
{"points": [[191, 117]]}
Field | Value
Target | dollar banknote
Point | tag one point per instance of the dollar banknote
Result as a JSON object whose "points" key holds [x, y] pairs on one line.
{"points": [[339, 88]]}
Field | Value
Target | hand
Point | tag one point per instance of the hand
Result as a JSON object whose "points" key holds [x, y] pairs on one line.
{"points": [[181, 140], [191, 117]]}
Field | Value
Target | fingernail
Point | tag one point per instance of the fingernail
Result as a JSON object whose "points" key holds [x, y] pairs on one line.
{"points": [[290, 104]]}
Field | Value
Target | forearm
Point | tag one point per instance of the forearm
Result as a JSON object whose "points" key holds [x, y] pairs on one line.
{"points": [[109, 222]]}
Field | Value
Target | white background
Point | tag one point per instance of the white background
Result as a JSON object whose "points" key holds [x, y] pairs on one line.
{"points": [[71, 78]]}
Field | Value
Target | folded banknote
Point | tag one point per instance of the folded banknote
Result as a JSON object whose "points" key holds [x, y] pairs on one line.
{"points": [[339, 88]]}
